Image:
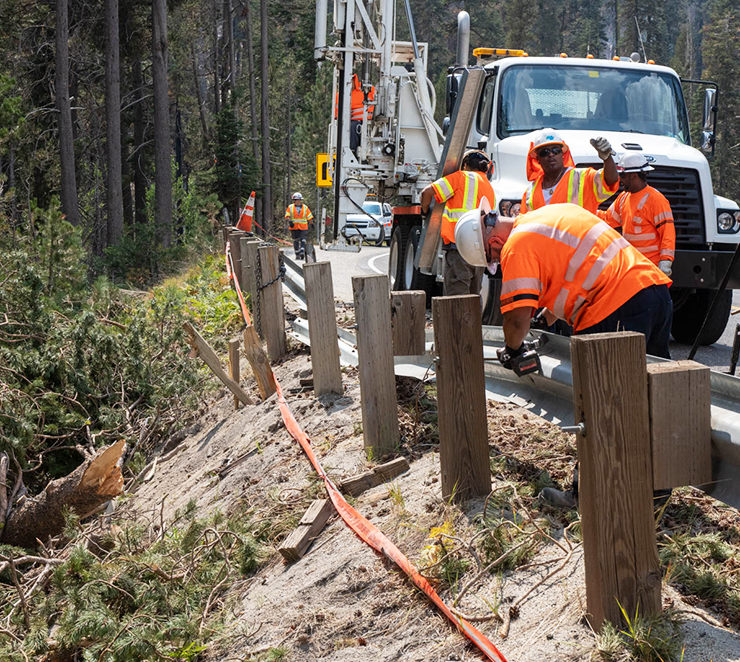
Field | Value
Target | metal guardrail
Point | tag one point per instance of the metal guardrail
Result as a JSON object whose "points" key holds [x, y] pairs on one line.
{"points": [[550, 394]]}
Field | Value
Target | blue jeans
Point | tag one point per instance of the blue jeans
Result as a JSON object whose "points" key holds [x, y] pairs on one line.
{"points": [[649, 312]]}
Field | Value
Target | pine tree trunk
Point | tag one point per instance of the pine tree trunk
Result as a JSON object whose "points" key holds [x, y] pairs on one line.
{"points": [[216, 61], [265, 88], [199, 93], [70, 206], [114, 192], [137, 79], [162, 147], [253, 102], [94, 482], [229, 34]]}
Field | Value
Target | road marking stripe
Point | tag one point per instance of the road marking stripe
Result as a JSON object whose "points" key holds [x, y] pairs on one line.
{"points": [[372, 260]]}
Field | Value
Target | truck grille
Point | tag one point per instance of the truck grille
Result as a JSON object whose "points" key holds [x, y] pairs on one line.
{"points": [[681, 187]]}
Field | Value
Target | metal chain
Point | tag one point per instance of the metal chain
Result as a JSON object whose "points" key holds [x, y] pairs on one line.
{"points": [[258, 277]]}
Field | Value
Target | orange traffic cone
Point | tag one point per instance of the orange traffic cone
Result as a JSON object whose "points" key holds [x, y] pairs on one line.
{"points": [[245, 220]]}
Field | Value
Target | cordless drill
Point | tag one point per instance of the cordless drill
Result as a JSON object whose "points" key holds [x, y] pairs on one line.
{"points": [[524, 360]]}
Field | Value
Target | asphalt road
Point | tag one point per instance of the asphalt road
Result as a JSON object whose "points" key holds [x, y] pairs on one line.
{"points": [[374, 260]]}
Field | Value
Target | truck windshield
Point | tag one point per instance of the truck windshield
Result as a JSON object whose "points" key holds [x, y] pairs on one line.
{"points": [[372, 208], [591, 99]]}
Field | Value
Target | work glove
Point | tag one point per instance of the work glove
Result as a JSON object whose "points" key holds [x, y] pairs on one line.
{"points": [[506, 355], [666, 266], [603, 147]]}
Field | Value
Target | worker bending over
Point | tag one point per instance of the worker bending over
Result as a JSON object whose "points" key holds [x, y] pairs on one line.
{"points": [[642, 213], [555, 178], [565, 259], [298, 216], [462, 190]]}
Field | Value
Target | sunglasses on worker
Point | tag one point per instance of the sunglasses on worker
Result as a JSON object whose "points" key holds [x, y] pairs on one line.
{"points": [[546, 151]]}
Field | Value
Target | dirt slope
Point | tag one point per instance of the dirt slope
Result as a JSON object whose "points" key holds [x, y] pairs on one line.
{"points": [[342, 602]]}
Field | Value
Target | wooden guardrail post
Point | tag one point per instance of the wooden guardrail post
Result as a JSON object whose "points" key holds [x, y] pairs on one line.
{"points": [[461, 396], [377, 375], [322, 328], [272, 311], [236, 253], [615, 476], [249, 267], [680, 423], [408, 319], [234, 371]]}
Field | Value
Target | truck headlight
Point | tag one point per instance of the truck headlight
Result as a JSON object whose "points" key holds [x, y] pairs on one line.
{"points": [[509, 207], [728, 222]]}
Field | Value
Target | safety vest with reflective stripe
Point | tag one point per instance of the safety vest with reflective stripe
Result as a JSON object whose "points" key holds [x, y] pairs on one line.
{"points": [[462, 191], [563, 258], [298, 217], [584, 187], [646, 221]]}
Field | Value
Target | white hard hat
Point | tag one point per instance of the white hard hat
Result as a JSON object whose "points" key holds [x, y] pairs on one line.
{"points": [[633, 162], [469, 235], [545, 137], [297, 196]]}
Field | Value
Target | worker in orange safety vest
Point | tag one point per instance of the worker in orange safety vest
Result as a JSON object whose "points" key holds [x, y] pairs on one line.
{"points": [[642, 213], [358, 113], [462, 190], [298, 216], [555, 178], [565, 259]]}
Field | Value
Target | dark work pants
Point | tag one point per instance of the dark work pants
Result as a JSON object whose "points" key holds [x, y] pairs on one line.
{"points": [[355, 135], [299, 243], [459, 276], [649, 312]]}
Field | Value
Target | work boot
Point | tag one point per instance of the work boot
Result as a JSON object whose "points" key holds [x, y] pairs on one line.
{"points": [[558, 498]]}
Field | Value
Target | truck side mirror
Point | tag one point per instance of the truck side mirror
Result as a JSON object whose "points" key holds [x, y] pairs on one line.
{"points": [[451, 92], [709, 121]]}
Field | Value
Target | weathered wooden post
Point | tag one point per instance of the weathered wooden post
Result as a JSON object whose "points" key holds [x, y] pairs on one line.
{"points": [[236, 253], [408, 319], [377, 375], [259, 363], [272, 311], [234, 366], [680, 423], [461, 397], [249, 271], [615, 476], [322, 328]]}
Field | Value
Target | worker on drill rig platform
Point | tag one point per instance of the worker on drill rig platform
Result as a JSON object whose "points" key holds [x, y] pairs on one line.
{"points": [[563, 258], [462, 190], [555, 178], [642, 213]]}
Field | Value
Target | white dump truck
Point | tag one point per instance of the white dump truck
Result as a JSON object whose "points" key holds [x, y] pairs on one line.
{"points": [[496, 105]]}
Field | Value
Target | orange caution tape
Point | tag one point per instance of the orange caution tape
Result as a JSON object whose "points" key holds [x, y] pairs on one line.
{"points": [[232, 276], [364, 529], [282, 241]]}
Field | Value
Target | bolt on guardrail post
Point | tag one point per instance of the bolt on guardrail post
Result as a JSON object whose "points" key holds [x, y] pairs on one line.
{"points": [[377, 378], [271, 303], [461, 397], [408, 319], [322, 328], [615, 476]]}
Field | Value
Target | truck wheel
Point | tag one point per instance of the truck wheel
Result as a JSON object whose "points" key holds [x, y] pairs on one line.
{"points": [[491, 301], [413, 279], [689, 316], [399, 239]]}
